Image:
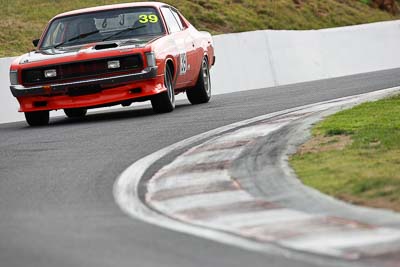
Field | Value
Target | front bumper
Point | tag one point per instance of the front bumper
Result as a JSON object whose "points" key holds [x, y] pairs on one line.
{"points": [[61, 88], [113, 91]]}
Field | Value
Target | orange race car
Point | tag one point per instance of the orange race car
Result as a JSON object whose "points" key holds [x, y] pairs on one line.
{"points": [[110, 55]]}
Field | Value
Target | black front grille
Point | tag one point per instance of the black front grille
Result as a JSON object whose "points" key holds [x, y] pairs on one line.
{"points": [[80, 70]]}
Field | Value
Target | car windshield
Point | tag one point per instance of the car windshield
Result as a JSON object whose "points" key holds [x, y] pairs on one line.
{"points": [[92, 27]]}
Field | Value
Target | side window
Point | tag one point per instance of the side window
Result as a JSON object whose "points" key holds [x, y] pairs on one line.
{"points": [[170, 20], [178, 18]]}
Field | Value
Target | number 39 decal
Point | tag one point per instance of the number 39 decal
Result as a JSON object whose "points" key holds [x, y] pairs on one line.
{"points": [[183, 64], [148, 18]]}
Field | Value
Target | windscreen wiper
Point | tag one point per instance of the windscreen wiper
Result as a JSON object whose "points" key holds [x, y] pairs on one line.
{"points": [[122, 31], [80, 36]]}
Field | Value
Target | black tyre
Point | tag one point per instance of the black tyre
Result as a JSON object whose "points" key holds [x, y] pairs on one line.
{"points": [[201, 93], [75, 112], [37, 118], [165, 101]]}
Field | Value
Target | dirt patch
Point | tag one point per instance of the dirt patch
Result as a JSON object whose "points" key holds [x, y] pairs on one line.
{"points": [[381, 203], [322, 143], [387, 5]]}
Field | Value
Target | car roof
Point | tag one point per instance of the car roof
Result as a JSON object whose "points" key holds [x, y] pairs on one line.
{"points": [[110, 7]]}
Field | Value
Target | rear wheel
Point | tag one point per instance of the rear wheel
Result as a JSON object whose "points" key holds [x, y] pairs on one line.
{"points": [[75, 112], [201, 92], [37, 118], [165, 101]]}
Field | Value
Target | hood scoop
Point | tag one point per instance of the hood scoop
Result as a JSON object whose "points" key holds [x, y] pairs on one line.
{"points": [[105, 46]]}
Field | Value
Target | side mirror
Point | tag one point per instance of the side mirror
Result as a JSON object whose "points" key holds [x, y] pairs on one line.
{"points": [[35, 42]]}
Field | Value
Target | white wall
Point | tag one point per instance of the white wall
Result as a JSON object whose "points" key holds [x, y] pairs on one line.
{"points": [[8, 104], [260, 59], [252, 60]]}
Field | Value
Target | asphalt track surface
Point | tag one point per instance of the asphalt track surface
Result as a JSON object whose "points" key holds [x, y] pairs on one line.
{"points": [[56, 199]]}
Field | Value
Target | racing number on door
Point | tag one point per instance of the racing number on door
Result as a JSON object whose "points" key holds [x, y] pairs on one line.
{"points": [[183, 61]]}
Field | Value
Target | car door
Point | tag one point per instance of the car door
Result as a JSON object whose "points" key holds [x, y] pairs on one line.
{"points": [[191, 48], [182, 41]]}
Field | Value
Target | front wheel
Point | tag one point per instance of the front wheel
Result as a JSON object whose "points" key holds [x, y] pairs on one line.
{"points": [[201, 92], [75, 112], [165, 101], [37, 118]]}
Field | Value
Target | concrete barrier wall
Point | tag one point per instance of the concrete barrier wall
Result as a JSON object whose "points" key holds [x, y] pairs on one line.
{"points": [[260, 59], [8, 104]]}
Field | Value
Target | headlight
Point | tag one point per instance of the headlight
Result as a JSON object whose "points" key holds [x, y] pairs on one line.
{"points": [[114, 64], [13, 77], [50, 73], [151, 59]]}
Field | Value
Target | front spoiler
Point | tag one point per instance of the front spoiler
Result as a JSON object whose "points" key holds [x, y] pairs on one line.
{"points": [[60, 88]]}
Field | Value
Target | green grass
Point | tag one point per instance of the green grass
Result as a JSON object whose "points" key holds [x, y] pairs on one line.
{"points": [[368, 170], [24, 20]]}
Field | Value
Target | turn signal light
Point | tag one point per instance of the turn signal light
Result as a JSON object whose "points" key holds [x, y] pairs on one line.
{"points": [[151, 59], [13, 77]]}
